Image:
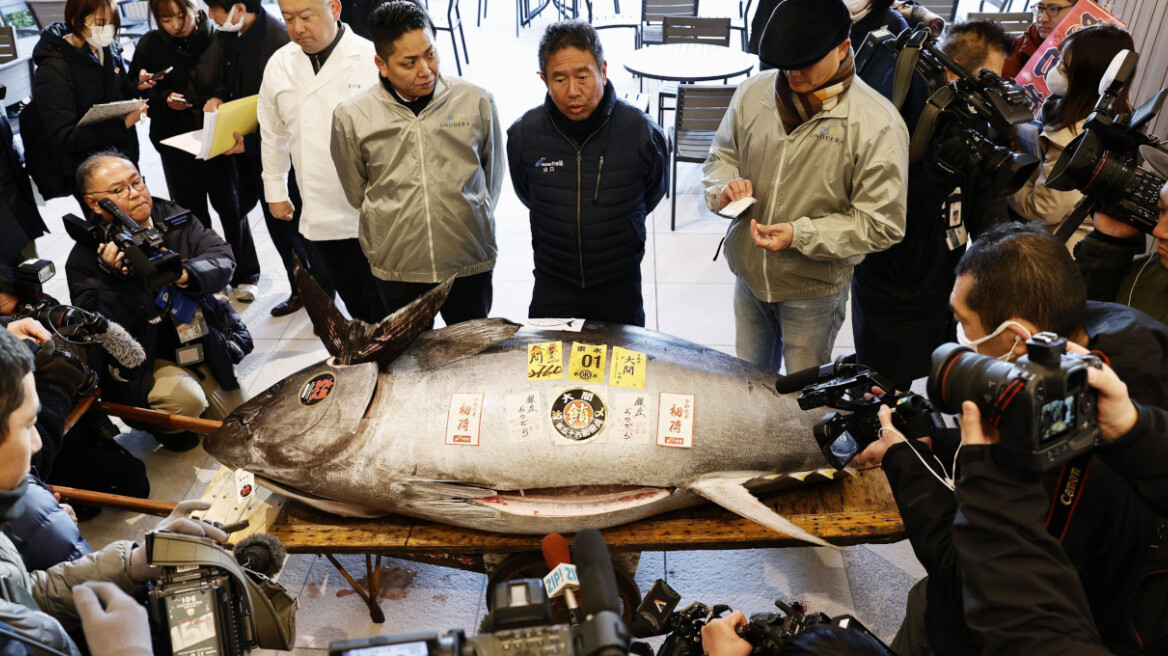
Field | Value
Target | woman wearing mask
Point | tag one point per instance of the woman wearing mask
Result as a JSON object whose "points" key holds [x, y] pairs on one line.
{"points": [[1074, 85], [176, 107], [79, 65]]}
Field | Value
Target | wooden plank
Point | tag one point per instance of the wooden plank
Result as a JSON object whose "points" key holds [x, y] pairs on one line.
{"points": [[260, 510]]}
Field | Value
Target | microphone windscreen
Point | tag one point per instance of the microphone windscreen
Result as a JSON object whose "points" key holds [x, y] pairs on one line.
{"points": [[262, 553], [598, 589], [124, 348], [555, 550]]}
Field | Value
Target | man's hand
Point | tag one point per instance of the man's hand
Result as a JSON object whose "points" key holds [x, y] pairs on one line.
{"points": [[115, 624], [1117, 414], [237, 148], [1114, 227], [212, 105], [66, 507], [135, 116], [734, 190], [873, 455], [973, 432], [772, 237], [61, 369], [31, 329], [113, 256], [720, 639], [282, 210], [178, 522], [144, 82], [177, 102]]}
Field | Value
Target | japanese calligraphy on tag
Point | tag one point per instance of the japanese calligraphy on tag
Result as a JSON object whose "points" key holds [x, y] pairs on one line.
{"points": [[462, 422], [244, 485], [523, 417], [631, 421], [675, 420], [578, 415], [545, 361], [587, 363], [628, 369]]}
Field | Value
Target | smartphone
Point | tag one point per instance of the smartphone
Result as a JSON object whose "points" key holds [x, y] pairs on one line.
{"points": [[159, 75]]}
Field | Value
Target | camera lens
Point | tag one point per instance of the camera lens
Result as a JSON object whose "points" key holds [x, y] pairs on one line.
{"points": [[1010, 171], [960, 375]]}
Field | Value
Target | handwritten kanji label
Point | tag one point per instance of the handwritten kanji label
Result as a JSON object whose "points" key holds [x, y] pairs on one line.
{"points": [[317, 388], [545, 361], [631, 421], [628, 368], [675, 420], [462, 422], [587, 363], [523, 417], [244, 485]]}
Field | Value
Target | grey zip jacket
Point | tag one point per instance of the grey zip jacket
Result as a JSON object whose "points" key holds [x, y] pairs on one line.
{"points": [[840, 179], [426, 186]]}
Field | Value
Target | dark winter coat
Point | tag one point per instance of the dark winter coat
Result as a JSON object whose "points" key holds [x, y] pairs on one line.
{"points": [[1117, 271], [155, 52], [125, 300], [588, 203], [45, 534], [20, 220], [66, 83]]}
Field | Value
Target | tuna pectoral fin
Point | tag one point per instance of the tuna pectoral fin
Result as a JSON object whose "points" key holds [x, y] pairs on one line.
{"points": [[354, 341], [728, 491]]}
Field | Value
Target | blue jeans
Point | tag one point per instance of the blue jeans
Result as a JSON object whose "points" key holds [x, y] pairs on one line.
{"points": [[800, 332]]}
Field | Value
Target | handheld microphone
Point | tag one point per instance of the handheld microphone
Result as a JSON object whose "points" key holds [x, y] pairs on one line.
{"points": [[795, 382], [562, 578], [603, 633]]}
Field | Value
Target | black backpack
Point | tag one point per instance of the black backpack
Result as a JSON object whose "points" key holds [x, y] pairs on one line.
{"points": [[38, 155]]}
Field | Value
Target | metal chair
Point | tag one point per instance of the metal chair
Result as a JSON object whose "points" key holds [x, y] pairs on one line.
{"points": [[1003, 6], [46, 12], [7, 45], [946, 9], [699, 113], [742, 24], [653, 14], [689, 29], [135, 18], [615, 21], [1014, 23], [454, 22]]}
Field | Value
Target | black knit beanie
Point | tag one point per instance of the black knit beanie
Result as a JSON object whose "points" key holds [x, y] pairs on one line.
{"points": [[802, 32]]}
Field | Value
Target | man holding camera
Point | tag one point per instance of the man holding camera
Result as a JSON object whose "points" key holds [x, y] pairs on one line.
{"points": [[1014, 282], [192, 340], [826, 157]]}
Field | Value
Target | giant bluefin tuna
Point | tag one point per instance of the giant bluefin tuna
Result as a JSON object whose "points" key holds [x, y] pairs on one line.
{"points": [[494, 426]]}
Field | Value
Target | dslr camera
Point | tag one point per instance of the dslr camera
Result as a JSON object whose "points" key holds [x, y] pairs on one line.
{"points": [[209, 603], [142, 245], [961, 120], [72, 324], [1103, 162], [1041, 404]]}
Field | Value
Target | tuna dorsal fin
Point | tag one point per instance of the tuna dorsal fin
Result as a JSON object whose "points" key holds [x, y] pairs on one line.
{"points": [[440, 347], [352, 341], [728, 489]]}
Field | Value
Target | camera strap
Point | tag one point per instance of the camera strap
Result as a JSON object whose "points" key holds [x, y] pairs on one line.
{"points": [[922, 137], [1067, 492]]}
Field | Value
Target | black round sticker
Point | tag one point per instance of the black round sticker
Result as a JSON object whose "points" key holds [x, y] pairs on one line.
{"points": [[578, 414], [318, 388]]}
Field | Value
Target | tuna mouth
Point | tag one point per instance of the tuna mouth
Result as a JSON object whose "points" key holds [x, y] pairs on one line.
{"points": [[573, 501]]}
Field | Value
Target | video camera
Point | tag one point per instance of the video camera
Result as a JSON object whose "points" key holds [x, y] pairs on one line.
{"points": [[1041, 404], [143, 246], [208, 603], [849, 387], [1103, 162], [961, 120]]}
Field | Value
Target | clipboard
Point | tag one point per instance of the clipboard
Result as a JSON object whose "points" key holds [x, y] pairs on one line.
{"points": [[109, 111], [219, 128]]}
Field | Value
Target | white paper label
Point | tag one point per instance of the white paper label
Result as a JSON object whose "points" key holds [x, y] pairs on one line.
{"points": [[564, 325], [244, 485], [675, 420], [462, 423], [523, 417], [631, 421]]}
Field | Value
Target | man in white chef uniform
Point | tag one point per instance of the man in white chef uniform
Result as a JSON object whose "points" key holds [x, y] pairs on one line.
{"points": [[323, 65]]}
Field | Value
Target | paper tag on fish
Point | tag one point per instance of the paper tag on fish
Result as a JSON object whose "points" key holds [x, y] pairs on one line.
{"points": [[675, 420], [462, 423], [545, 361], [628, 368], [631, 421], [587, 363], [244, 485], [579, 415], [523, 417], [563, 325]]}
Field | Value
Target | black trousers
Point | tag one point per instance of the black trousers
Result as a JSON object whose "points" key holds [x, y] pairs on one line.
{"points": [[619, 302], [285, 234], [192, 182], [470, 297], [348, 269]]}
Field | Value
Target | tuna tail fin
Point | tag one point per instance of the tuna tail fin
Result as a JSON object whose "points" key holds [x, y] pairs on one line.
{"points": [[352, 341], [728, 490]]}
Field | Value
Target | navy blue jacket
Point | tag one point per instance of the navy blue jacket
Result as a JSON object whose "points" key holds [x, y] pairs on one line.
{"points": [[45, 534], [588, 204], [124, 299]]}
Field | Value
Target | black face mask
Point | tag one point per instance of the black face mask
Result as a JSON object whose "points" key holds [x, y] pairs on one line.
{"points": [[12, 502]]}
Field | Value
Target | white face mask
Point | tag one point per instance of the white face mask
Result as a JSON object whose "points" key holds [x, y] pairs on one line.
{"points": [[972, 343], [228, 26], [1056, 82], [859, 8], [100, 36]]}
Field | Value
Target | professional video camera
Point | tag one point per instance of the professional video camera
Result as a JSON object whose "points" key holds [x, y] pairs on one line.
{"points": [[961, 120], [1103, 162], [1041, 404], [520, 620], [143, 246], [207, 603], [848, 386]]}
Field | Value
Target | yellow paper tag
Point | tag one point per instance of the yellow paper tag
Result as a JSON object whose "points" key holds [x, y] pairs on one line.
{"points": [[587, 363], [545, 361], [628, 369]]}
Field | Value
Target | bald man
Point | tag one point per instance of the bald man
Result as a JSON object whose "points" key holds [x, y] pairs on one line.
{"points": [[323, 65]]}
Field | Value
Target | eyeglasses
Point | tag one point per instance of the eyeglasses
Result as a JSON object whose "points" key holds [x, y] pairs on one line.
{"points": [[123, 190], [1050, 10]]}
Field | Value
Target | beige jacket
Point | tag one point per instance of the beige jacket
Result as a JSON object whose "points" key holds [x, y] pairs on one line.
{"points": [[1038, 202], [840, 179]]}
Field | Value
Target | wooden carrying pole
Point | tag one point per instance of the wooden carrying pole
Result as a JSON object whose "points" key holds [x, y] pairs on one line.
{"points": [[163, 419], [106, 500]]}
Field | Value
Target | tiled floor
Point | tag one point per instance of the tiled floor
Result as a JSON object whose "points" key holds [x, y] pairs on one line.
{"points": [[687, 294]]}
